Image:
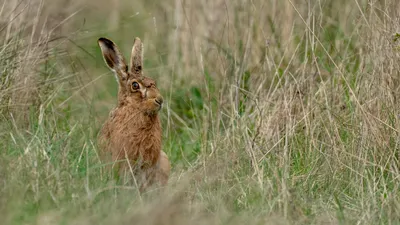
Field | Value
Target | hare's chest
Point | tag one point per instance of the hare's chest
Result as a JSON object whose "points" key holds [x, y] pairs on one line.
{"points": [[135, 136]]}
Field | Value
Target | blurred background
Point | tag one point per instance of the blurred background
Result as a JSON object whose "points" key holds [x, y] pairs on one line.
{"points": [[277, 112]]}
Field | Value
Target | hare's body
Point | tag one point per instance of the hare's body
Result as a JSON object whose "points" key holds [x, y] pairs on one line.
{"points": [[132, 133], [129, 134]]}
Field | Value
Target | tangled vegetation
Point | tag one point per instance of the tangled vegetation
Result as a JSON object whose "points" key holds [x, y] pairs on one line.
{"points": [[276, 112]]}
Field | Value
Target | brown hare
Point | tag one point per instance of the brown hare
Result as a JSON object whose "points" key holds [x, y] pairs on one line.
{"points": [[132, 133]]}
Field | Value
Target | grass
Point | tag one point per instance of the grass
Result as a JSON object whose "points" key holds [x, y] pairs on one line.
{"points": [[277, 112]]}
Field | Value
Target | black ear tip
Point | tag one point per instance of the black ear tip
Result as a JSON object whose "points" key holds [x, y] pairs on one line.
{"points": [[106, 42]]}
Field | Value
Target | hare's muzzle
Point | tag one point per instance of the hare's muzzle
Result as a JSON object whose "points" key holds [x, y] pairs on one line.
{"points": [[159, 100]]}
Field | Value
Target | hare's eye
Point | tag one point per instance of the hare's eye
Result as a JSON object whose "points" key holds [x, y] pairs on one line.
{"points": [[135, 85]]}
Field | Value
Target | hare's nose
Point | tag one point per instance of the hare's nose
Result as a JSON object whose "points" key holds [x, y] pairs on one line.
{"points": [[159, 99]]}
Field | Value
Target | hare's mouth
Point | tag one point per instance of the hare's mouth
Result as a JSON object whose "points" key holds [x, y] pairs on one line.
{"points": [[158, 105], [158, 102], [154, 107]]}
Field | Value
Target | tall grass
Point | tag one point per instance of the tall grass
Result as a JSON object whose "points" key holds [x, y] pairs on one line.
{"points": [[277, 112]]}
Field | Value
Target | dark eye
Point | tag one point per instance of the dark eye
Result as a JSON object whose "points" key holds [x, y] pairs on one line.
{"points": [[135, 85]]}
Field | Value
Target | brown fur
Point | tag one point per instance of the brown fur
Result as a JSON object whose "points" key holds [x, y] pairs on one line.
{"points": [[132, 133]]}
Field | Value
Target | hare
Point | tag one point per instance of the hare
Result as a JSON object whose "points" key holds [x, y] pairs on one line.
{"points": [[132, 133]]}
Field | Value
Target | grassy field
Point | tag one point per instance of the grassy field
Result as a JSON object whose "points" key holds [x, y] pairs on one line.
{"points": [[277, 111]]}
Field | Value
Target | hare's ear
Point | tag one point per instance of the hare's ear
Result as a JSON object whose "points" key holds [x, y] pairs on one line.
{"points": [[113, 57], [137, 57]]}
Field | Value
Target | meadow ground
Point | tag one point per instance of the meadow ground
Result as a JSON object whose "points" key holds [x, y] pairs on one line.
{"points": [[277, 112]]}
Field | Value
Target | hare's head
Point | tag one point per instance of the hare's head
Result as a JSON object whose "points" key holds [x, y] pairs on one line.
{"points": [[135, 89]]}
